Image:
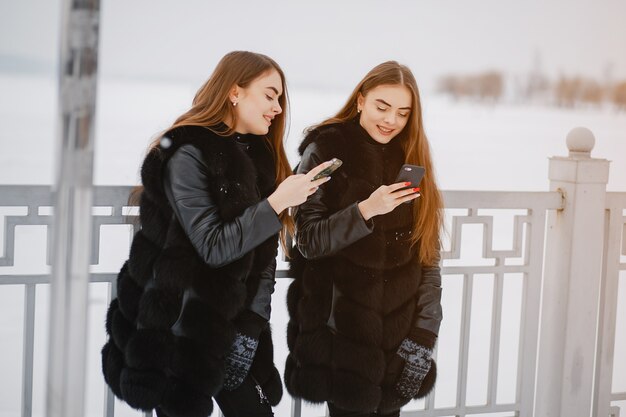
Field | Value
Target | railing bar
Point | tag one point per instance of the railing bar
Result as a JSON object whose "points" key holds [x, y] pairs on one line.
{"points": [[522, 223], [103, 195], [496, 334], [7, 257], [614, 411], [429, 403], [487, 223], [28, 350], [468, 288], [10, 223], [95, 241], [455, 240], [109, 402], [520, 341], [282, 273], [49, 245], [109, 397], [484, 269], [541, 200], [529, 321], [17, 279], [605, 355], [459, 411], [523, 335], [618, 397], [296, 407], [517, 235], [616, 199], [114, 220]]}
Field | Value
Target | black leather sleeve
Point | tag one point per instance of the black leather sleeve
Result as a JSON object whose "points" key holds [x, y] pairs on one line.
{"points": [[262, 302], [216, 241], [250, 323], [317, 233], [429, 312]]}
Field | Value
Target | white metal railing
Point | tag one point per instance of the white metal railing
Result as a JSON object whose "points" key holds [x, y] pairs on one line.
{"points": [[530, 209], [495, 239], [614, 263], [527, 213]]}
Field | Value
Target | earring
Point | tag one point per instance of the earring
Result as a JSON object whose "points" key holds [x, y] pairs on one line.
{"points": [[234, 104], [358, 111]]}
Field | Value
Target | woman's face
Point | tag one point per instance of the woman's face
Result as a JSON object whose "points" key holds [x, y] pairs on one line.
{"points": [[257, 104], [385, 111]]}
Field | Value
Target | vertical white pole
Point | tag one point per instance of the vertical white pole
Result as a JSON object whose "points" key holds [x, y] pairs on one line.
{"points": [[609, 303], [571, 283], [65, 389]]}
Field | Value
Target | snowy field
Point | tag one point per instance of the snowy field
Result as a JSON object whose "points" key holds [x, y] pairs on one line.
{"points": [[479, 147], [475, 147]]}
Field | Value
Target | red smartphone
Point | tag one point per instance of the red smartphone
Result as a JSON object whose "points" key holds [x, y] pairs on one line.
{"points": [[410, 173]]}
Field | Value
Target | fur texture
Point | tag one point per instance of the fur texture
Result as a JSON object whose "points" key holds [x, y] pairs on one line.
{"points": [[172, 322], [128, 294], [350, 311], [112, 365]]}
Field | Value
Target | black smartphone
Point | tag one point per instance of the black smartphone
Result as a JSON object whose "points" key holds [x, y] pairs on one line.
{"points": [[410, 173], [328, 170]]}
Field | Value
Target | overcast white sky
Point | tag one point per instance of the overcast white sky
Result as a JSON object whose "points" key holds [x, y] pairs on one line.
{"points": [[329, 44]]}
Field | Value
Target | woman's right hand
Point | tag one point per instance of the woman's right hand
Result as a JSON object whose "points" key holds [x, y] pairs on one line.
{"points": [[386, 198], [295, 189]]}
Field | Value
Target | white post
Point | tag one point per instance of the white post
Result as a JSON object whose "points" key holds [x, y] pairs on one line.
{"points": [[571, 283], [65, 386]]}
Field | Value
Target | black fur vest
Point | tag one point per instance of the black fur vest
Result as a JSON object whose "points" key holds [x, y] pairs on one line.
{"points": [[144, 362], [367, 165], [350, 311]]}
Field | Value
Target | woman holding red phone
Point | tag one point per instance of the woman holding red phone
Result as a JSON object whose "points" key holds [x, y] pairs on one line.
{"points": [[365, 304]]}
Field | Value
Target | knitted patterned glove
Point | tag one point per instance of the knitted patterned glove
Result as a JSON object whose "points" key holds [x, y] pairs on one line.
{"points": [[417, 365], [239, 360]]}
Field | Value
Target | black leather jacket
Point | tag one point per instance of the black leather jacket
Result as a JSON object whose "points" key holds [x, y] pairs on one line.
{"points": [[320, 234], [219, 243]]}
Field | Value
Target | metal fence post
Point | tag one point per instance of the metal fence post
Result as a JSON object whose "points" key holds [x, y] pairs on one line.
{"points": [[571, 283], [65, 389]]}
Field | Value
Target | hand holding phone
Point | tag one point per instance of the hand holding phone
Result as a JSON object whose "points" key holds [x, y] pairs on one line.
{"points": [[410, 173], [336, 163], [295, 189], [386, 198]]}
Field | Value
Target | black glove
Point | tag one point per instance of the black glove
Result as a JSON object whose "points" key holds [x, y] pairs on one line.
{"points": [[416, 350], [242, 351]]}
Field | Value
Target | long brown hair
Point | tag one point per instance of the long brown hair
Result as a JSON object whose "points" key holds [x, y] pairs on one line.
{"points": [[211, 107], [428, 209]]}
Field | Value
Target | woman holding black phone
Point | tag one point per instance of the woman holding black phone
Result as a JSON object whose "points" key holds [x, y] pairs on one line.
{"points": [[190, 320], [365, 304]]}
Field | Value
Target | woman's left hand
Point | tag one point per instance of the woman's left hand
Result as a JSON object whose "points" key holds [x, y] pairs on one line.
{"points": [[418, 363]]}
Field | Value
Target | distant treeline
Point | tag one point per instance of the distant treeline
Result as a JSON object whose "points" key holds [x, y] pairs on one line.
{"points": [[491, 86], [485, 86]]}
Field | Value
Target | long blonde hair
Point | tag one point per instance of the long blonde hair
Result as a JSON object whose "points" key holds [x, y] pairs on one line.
{"points": [[428, 209], [211, 107]]}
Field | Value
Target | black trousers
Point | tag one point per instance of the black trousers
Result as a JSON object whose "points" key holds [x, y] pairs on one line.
{"points": [[245, 401], [338, 412]]}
